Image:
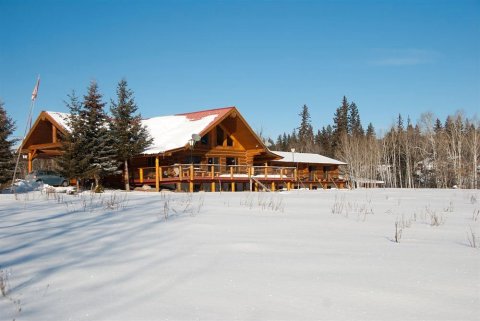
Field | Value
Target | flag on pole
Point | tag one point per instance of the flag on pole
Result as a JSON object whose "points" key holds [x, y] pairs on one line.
{"points": [[35, 90]]}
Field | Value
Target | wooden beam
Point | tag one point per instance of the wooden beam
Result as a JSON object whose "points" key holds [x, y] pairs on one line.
{"points": [[46, 146], [157, 174], [54, 134], [30, 156]]}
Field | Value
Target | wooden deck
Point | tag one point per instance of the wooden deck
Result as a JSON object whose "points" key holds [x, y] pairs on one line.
{"points": [[195, 177]]}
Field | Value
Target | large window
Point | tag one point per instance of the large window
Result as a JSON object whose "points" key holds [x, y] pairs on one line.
{"points": [[231, 161], [213, 161]]}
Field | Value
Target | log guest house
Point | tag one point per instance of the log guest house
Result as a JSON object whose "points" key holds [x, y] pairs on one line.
{"points": [[208, 150]]}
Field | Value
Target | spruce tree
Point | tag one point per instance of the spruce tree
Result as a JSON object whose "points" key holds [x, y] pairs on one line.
{"points": [[75, 159], [99, 141], [131, 138], [305, 131], [7, 162], [340, 124], [354, 124], [370, 131]]}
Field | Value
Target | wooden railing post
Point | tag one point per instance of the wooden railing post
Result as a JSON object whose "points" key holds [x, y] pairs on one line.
{"points": [[140, 173], [160, 170], [191, 179], [157, 175], [213, 171], [231, 172], [180, 169]]}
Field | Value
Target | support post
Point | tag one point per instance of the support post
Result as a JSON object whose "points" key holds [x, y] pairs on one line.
{"points": [[273, 187], [288, 186], [233, 186], [140, 173], [30, 162], [212, 187], [157, 175]]}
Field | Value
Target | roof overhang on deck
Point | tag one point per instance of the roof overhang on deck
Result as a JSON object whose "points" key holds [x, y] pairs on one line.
{"points": [[307, 158]]}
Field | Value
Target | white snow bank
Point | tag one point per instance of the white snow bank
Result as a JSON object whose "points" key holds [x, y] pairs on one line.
{"points": [[25, 186], [301, 255]]}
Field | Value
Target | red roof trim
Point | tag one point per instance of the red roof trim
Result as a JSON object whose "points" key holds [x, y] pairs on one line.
{"points": [[220, 112]]}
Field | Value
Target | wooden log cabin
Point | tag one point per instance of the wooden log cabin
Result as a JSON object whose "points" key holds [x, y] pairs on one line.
{"points": [[208, 150]]}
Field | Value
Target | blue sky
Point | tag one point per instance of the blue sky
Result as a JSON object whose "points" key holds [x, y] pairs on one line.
{"points": [[268, 58]]}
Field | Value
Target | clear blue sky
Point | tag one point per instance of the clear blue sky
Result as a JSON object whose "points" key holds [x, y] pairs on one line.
{"points": [[268, 58]]}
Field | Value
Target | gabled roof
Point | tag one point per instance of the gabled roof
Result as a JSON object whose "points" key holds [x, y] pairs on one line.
{"points": [[294, 157], [174, 132]]}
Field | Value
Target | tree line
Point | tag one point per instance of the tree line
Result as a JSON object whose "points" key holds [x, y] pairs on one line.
{"points": [[430, 153]]}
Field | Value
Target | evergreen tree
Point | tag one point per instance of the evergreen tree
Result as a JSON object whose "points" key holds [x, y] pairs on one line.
{"points": [[340, 125], [327, 141], [354, 124], [7, 162], [438, 127], [305, 131], [131, 138], [99, 142], [75, 159], [370, 131]]}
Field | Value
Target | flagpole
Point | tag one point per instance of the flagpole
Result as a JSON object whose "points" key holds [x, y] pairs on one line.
{"points": [[28, 126]]}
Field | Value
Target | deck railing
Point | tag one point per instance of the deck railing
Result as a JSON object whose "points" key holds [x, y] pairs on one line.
{"points": [[180, 172]]}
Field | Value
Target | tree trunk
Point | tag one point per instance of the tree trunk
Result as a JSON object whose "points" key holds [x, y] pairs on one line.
{"points": [[126, 176]]}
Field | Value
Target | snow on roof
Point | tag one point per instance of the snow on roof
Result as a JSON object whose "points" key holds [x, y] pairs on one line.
{"points": [[172, 132], [168, 132], [294, 157], [60, 118]]}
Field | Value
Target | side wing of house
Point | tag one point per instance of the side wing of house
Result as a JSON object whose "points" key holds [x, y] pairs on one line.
{"points": [[44, 138], [313, 169]]}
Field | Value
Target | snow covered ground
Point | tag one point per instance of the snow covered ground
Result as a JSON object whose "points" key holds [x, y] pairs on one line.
{"points": [[298, 255]]}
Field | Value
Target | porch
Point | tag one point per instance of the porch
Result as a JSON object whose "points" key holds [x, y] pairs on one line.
{"points": [[196, 177]]}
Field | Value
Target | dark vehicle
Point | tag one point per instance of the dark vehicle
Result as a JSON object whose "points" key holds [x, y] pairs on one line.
{"points": [[47, 177]]}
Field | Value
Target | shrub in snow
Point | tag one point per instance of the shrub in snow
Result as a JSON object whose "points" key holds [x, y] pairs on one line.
{"points": [[472, 238]]}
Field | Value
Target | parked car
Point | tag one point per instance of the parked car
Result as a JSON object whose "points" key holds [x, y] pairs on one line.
{"points": [[47, 177]]}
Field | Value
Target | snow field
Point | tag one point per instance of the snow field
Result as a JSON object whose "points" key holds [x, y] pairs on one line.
{"points": [[298, 255]]}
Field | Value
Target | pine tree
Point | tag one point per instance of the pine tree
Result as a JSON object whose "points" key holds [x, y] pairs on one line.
{"points": [[340, 124], [438, 127], [75, 158], [305, 131], [131, 138], [354, 124], [370, 131], [99, 141], [7, 163]]}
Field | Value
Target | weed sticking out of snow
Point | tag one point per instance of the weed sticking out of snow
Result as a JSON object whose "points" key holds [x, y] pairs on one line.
{"points": [[5, 291], [472, 238], [263, 201], [476, 213], [346, 208], [188, 204]]}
